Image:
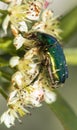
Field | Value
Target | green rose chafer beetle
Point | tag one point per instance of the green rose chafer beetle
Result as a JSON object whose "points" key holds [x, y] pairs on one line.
{"points": [[54, 56]]}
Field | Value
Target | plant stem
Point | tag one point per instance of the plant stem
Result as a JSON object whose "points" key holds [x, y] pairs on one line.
{"points": [[64, 113], [3, 93]]}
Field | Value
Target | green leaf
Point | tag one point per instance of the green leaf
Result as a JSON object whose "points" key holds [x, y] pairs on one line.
{"points": [[6, 72], [6, 45], [3, 11], [2, 0], [3, 62], [3, 93], [5, 75], [64, 113], [69, 24], [71, 54]]}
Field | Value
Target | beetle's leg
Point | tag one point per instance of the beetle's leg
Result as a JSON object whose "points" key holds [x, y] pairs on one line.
{"points": [[48, 65]]}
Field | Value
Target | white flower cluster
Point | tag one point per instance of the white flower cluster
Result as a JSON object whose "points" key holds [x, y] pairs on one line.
{"points": [[27, 92], [31, 83], [30, 15]]}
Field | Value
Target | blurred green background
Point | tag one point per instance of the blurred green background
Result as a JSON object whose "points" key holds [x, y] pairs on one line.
{"points": [[42, 118]]}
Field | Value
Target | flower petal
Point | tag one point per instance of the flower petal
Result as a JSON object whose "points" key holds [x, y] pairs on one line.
{"points": [[14, 61], [8, 119], [17, 78], [49, 96], [5, 23], [19, 41], [23, 27]]}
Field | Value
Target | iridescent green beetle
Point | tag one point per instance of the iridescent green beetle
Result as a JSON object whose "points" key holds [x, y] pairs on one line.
{"points": [[55, 58]]}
